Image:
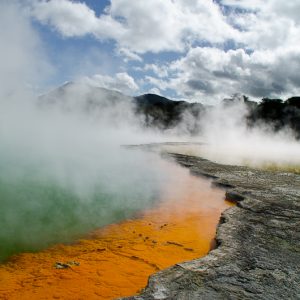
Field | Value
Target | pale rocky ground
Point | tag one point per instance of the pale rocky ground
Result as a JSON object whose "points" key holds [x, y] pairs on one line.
{"points": [[258, 240]]}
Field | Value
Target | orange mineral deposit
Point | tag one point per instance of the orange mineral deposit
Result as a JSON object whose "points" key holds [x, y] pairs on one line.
{"points": [[117, 260]]}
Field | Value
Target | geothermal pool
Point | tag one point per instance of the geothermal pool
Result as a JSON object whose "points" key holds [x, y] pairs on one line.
{"points": [[117, 259]]}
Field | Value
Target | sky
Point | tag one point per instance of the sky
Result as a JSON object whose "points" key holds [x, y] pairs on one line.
{"points": [[196, 50]]}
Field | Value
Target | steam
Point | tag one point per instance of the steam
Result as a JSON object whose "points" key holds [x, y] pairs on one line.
{"points": [[229, 140], [62, 170], [65, 173]]}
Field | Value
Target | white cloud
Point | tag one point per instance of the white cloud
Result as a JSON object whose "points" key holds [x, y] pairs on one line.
{"points": [[209, 74], [266, 24], [140, 26], [246, 4], [154, 91], [289, 9], [160, 71], [264, 33], [121, 82], [70, 18], [73, 19], [129, 55], [157, 82], [265, 65]]}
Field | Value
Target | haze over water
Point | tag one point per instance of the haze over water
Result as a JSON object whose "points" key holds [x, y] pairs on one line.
{"points": [[116, 260], [62, 168]]}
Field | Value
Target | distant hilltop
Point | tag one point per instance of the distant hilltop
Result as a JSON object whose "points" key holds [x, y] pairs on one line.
{"points": [[165, 114]]}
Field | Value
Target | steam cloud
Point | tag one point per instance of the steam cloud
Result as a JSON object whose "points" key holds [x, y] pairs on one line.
{"points": [[231, 141], [62, 170]]}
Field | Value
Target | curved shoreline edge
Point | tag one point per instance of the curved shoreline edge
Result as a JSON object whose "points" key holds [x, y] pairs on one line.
{"points": [[258, 241]]}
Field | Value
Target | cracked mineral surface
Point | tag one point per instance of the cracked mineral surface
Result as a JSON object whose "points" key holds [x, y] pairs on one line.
{"points": [[258, 241]]}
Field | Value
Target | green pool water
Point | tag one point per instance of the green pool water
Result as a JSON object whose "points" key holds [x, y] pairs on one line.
{"points": [[38, 209]]}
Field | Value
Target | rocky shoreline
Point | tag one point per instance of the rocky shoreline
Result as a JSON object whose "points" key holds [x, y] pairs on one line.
{"points": [[258, 241]]}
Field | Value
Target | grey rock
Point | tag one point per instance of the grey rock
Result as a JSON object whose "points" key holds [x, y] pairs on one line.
{"points": [[258, 241], [68, 264], [60, 265]]}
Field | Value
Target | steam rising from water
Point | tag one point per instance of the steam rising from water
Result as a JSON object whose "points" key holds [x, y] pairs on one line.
{"points": [[63, 172], [231, 141]]}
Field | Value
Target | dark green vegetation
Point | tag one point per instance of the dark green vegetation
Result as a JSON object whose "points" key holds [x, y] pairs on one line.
{"points": [[163, 113], [277, 113]]}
